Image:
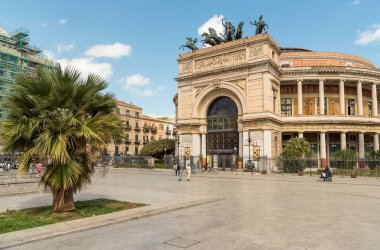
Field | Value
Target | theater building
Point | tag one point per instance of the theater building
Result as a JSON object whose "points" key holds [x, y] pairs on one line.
{"points": [[253, 94]]}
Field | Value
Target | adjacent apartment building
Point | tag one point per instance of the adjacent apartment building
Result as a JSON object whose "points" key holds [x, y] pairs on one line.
{"points": [[17, 55], [253, 94], [139, 130]]}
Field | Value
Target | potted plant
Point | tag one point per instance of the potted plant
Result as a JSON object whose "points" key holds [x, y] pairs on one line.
{"points": [[354, 174], [239, 162]]}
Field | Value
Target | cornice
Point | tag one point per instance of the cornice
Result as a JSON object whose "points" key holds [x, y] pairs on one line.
{"points": [[334, 70], [229, 69]]}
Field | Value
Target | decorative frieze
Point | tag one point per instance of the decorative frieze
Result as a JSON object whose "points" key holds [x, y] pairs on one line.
{"points": [[186, 67], [220, 60], [255, 51]]}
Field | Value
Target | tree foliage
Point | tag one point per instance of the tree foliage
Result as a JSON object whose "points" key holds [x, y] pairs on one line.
{"points": [[294, 154], [157, 148], [62, 119], [345, 159], [373, 159]]}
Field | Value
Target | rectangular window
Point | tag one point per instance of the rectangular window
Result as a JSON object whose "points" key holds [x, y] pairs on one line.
{"points": [[137, 124], [286, 106], [351, 106], [116, 150], [136, 138], [352, 137], [369, 108], [136, 150], [117, 111], [127, 124], [127, 113], [137, 114], [318, 109], [127, 151]]}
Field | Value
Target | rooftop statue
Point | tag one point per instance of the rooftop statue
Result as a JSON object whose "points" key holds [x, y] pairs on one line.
{"points": [[190, 44], [260, 25], [239, 31], [207, 39], [229, 31], [215, 36]]}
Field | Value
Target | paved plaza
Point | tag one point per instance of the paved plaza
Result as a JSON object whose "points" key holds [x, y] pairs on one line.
{"points": [[255, 212]]}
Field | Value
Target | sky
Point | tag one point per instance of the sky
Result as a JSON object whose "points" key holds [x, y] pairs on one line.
{"points": [[134, 45]]}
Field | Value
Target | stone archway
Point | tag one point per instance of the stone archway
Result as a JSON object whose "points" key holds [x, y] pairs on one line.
{"points": [[222, 142]]}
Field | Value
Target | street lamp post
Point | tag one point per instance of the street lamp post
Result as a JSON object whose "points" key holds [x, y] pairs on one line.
{"points": [[249, 149], [165, 156], [178, 142], [234, 164]]}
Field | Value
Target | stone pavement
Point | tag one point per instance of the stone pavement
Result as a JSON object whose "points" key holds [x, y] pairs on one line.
{"points": [[258, 212]]}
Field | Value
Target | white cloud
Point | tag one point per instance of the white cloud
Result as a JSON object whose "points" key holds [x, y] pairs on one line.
{"points": [[87, 66], [62, 21], [135, 80], [115, 50], [355, 2], [369, 36], [138, 85], [64, 47], [214, 22], [49, 54]]}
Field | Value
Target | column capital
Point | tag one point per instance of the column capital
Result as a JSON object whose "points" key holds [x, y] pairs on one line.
{"points": [[360, 81], [299, 80], [322, 80], [342, 80]]}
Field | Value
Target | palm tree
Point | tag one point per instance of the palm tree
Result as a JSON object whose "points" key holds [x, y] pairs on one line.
{"points": [[62, 119]]}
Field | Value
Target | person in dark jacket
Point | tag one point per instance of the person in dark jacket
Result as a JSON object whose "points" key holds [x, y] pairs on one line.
{"points": [[327, 174]]}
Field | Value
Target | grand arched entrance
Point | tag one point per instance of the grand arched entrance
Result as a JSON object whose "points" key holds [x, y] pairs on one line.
{"points": [[222, 143]]}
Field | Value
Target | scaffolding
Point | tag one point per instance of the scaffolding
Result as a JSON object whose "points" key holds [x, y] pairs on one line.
{"points": [[17, 56]]}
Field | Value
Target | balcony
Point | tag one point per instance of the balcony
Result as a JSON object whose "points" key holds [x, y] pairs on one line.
{"points": [[168, 132], [137, 142], [153, 130], [128, 127], [137, 129], [146, 129], [145, 141], [127, 141]]}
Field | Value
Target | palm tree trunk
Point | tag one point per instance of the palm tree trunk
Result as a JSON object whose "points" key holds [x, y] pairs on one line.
{"points": [[63, 200]]}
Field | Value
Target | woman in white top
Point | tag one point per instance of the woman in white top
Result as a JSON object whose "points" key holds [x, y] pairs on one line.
{"points": [[188, 171]]}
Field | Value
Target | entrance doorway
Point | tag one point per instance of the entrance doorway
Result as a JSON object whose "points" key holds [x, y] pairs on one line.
{"points": [[222, 143]]}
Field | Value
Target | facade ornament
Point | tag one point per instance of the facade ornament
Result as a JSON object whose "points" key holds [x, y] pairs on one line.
{"points": [[198, 90], [220, 60], [256, 51], [191, 44], [186, 67]]}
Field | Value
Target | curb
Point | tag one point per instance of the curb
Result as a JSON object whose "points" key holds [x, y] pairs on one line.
{"points": [[22, 237]]}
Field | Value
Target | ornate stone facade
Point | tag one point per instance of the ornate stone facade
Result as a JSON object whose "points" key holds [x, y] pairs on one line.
{"points": [[279, 94]]}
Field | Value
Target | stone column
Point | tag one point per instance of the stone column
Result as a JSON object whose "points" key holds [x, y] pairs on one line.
{"points": [[300, 134], [299, 97], [321, 97], [361, 150], [341, 97], [360, 98], [374, 100], [195, 149], [361, 145], [376, 142], [323, 149], [203, 147], [343, 141]]}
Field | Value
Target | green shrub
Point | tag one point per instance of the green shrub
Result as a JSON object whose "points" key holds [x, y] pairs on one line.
{"points": [[345, 159], [293, 155], [373, 159]]}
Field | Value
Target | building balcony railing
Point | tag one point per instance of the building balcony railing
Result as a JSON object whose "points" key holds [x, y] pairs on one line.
{"points": [[146, 129], [137, 129], [168, 132], [146, 141], [128, 127], [153, 130], [137, 142], [127, 141]]}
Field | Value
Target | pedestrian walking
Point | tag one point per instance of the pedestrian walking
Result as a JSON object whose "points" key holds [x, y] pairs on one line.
{"points": [[188, 171], [179, 171], [194, 168], [175, 168], [327, 174]]}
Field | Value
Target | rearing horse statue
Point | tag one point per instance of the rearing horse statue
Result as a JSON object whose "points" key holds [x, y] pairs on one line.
{"points": [[260, 25]]}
